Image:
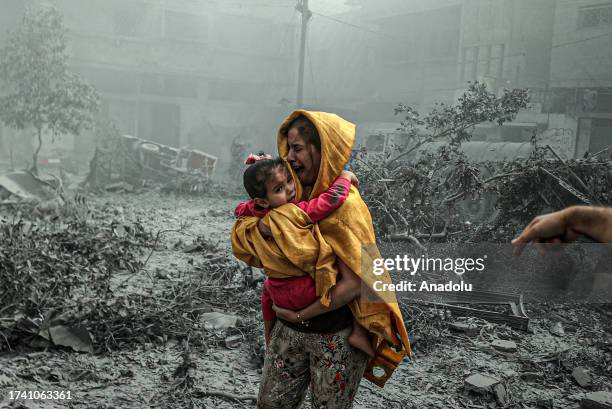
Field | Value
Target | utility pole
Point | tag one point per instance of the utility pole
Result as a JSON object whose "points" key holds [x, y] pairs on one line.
{"points": [[302, 7]]}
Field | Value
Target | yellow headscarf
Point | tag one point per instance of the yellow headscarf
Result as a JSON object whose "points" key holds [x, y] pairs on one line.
{"points": [[348, 232]]}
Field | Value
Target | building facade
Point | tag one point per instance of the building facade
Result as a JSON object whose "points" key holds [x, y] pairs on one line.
{"points": [[185, 72], [507, 44], [558, 49], [406, 52], [581, 72]]}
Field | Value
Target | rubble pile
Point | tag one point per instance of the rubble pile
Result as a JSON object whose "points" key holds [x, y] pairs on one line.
{"points": [[49, 268], [191, 310], [59, 287], [492, 365], [126, 163], [193, 185]]}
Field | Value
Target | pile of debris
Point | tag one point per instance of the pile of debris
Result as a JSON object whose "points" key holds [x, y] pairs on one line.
{"points": [[47, 269], [127, 162], [495, 365], [58, 287]]}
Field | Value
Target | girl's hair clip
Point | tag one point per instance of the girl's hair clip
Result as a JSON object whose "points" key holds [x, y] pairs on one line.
{"points": [[252, 158]]}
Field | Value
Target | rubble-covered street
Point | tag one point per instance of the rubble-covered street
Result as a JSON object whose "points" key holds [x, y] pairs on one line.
{"points": [[178, 324], [211, 204]]}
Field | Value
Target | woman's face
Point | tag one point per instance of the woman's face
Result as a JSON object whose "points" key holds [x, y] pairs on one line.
{"points": [[303, 157]]}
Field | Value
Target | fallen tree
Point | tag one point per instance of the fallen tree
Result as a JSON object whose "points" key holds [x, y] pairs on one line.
{"points": [[415, 191]]}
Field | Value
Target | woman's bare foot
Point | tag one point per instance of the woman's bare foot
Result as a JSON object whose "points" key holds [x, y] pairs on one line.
{"points": [[360, 340]]}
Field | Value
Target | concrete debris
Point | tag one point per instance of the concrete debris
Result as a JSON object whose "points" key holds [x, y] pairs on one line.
{"points": [[556, 328], [480, 383], [469, 329], [192, 248], [218, 321], [233, 341], [139, 160], [504, 346], [581, 376], [77, 338], [513, 321], [510, 374], [597, 400], [119, 187], [557, 355], [25, 186], [545, 404], [531, 376], [48, 207], [500, 394]]}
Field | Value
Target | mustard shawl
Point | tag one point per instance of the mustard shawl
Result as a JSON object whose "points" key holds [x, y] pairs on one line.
{"points": [[348, 232], [297, 248]]}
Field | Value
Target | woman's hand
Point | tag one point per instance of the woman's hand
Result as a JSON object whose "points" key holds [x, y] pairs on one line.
{"points": [[287, 315]]}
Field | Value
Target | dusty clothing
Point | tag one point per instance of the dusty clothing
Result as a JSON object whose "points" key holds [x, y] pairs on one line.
{"points": [[298, 249], [296, 359], [349, 230], [293, 293], [296, 293], [348, 233]]}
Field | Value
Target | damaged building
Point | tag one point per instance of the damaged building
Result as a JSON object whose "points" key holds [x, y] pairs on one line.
{"points": [[178, 72]]}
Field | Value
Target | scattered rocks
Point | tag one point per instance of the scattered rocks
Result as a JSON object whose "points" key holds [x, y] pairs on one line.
{"points": [[531, 376], [218, 320], [510, 374], [597, 400], [119, 187], [545, 404], [480, 383], [177, 244], [233, 341], [581, 376], [504, 346], [500, 394], [192, 248], [469, 329], [556, 328]]}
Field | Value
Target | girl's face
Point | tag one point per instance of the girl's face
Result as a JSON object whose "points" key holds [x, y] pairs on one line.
{"points": [[280, 188]]}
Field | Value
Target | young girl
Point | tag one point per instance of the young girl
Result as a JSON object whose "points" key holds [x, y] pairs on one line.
{"points": [[269, 184]]}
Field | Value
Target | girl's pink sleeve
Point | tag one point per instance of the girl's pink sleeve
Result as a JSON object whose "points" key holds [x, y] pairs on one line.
{"points": [[322, 206], [266, 304], [247, 209], [242, 210]]}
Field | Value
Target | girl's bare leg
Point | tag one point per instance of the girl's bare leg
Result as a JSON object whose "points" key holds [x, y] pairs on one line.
{"points": [[359, 339]]}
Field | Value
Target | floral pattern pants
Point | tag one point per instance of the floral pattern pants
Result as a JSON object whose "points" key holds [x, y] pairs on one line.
{"points": [[294, 360]]}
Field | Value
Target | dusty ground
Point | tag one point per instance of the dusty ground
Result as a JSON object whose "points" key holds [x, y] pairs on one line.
{"points": [[141, 375]]}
